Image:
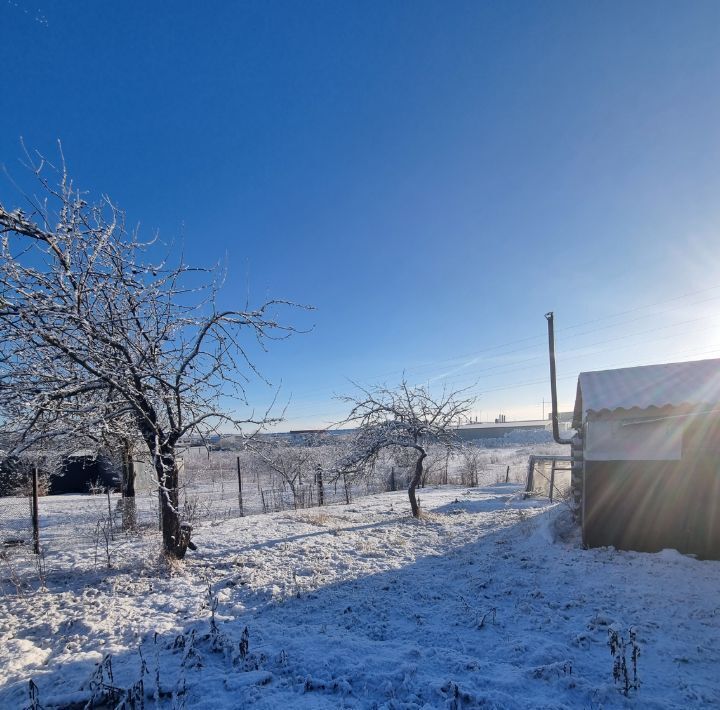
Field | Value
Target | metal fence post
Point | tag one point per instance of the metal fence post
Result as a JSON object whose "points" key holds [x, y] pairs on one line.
{"points": [[35, 513], [240, 501], [319, 482]]}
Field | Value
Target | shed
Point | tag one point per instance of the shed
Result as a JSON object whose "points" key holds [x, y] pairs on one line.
{"points": [[83, 471], [648, 446]]}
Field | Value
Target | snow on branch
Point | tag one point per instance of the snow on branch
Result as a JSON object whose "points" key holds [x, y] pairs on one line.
{"points": [[98, 340], [406, 416]]}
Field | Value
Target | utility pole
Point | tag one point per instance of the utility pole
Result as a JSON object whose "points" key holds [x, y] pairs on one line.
{"points": [[553, 386]]}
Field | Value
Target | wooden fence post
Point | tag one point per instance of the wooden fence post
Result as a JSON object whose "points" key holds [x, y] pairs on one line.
{"points": [[530, 476]]}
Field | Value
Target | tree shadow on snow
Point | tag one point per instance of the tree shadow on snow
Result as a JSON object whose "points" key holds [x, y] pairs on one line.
{"points": [[368, 641], [265, 544], [501, 621], [511, 500]]}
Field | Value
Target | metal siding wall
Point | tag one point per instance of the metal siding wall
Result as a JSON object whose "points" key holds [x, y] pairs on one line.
{"points": [[653, 505], [625, 439]]}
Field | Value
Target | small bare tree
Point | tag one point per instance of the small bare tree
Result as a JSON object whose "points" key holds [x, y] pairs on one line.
{"points": [[95, 338], [434, 465], [294, 465], [470, 465], [404, 417]]}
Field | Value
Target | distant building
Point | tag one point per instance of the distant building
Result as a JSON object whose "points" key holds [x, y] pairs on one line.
{"points": [[646, 465], [304, 436], [497, 429], [199, 440]]}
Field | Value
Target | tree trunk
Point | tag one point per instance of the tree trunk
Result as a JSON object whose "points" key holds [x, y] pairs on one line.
{"points": [[176, 536], [129, 509], [414, 484]]}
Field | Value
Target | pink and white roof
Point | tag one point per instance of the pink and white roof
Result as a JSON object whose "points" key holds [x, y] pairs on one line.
{"points": [[673, 384]]}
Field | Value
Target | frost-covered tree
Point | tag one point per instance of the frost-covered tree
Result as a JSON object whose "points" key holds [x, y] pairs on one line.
{"points": [[471, 461], [100, 340], [402, 418], [293, 465], [40, 437]]}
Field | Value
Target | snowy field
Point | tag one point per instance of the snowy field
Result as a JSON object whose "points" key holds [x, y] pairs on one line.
{"points": [[487, 601], [73, 527]]}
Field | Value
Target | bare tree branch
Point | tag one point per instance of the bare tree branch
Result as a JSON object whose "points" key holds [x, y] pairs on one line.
{"points": [[404, 417], [100, 342]]}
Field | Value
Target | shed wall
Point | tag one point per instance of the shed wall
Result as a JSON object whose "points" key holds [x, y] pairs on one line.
{"points": [[651, 505], [616, 438]]}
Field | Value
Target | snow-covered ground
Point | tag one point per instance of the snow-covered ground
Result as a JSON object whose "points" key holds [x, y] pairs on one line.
{"points": [[72, 526], [487, 601]]}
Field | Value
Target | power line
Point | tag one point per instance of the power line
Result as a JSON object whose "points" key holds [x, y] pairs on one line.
{"points": [[543, 380], [470, 377], [513, 367], [540, 339], [650, 305], [459, 381]]}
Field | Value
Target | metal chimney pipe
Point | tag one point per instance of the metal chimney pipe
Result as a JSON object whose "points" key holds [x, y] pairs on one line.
{"points": [[553, 385]]}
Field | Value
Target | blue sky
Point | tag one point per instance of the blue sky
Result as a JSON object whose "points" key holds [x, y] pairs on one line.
{"points": [[431, 176]]}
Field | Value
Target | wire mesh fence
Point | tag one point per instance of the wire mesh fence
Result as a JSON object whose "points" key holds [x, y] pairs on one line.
{"points": [[93, 530], [16, 527], [549, 476]]}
